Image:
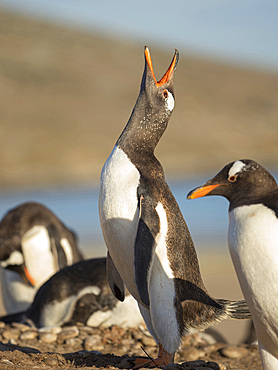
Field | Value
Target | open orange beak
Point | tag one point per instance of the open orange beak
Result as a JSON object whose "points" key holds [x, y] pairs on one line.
{"points": [[201, 191], [167, 75]]}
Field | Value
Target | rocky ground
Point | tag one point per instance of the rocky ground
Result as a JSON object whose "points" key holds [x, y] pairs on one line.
{"points": [[80, 346]]}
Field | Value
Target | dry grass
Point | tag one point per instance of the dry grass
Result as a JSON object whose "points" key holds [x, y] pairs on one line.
{"points": [[65, 96]]}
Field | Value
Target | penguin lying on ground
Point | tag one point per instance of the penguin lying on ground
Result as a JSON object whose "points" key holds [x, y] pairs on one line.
{"points": [[78, 293], [150, 249], [34, 244], [253, 243]]}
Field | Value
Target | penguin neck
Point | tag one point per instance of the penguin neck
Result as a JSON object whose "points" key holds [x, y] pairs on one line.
{"points": [[143, 132]]}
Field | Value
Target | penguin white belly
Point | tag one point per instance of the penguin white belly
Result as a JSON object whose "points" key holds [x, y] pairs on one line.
{"points": [[119, 213], [16, 294], [253, 243], [125, 314], [162, 290], [57, 313]]}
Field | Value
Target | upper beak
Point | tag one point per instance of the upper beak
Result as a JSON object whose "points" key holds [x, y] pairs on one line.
{"points": [[201, 191], [168, 74]]}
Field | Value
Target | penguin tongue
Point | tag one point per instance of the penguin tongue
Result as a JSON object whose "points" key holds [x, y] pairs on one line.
{"points": [[169, 71]]}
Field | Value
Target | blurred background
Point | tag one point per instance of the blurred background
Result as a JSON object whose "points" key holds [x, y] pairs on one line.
{"points": [[70, 74]]}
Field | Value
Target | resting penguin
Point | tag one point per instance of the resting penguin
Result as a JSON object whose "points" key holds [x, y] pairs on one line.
{"points": [[253, 241], [150, 249], [83, 295], [34, 244]]}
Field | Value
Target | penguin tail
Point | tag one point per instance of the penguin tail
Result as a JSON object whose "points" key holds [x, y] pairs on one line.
{"points": [[235, 309]]}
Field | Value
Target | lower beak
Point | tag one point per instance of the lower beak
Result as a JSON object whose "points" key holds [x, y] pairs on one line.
{"points": [[201, 191], [29, 277]]}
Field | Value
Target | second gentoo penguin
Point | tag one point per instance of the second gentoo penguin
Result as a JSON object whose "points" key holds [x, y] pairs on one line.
{"points": [[78, 293], [150, 249], [253, 242], [34, 244]]}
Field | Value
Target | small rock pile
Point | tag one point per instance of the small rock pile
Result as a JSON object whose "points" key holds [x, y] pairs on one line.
{"points": [[74, 346]]}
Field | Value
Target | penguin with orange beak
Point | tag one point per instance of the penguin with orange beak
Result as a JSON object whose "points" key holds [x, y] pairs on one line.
{"points": [[253, 242], [34, 244], [150, 249]]}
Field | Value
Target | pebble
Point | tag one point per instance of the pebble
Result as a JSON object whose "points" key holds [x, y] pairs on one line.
{"points": [[2, 325], [93, 343], [67, 333], [191, 353], [28, 335], [20, 326], [54, 330], [222, 367], [73, 342], [56, 361], [212, 348], [11, 334], [8, 362], [86, 330], [50, 361], [48, 337], [233, 351], [148, 341]]}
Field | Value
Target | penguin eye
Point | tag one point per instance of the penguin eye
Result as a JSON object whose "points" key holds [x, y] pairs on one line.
{"points": [[232, 178], [165, 94], [168, 99]]}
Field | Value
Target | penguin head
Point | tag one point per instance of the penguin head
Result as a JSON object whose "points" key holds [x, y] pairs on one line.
{"points": [[158, 96], [25, 255], [12, 258], [242, 181], [36, 255], [35, 244], [152, 110]]}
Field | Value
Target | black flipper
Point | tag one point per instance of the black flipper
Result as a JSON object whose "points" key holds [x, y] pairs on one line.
{"points": [[148, 228], [114, 279], [15, 317]]}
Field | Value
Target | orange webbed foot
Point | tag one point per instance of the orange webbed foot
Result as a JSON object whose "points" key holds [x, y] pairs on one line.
{"points": [[164, 358], [144, 362]]}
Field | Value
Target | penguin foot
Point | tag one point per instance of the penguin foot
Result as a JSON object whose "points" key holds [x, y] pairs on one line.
{"points": [[164, 358], [144, 362]]}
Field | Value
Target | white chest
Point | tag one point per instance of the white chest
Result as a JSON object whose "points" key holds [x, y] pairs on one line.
{"points": [[118, 210], [39, 260], [118, 187], [253, 243], [16, 295]]}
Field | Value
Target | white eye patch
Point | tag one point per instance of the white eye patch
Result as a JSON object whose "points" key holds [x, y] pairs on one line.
{"points": [[16, 258], [236, 168], [67, 249], [170, 101]]}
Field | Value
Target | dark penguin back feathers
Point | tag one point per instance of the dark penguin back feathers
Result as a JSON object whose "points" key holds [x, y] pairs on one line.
{"points": [[67, 283]]}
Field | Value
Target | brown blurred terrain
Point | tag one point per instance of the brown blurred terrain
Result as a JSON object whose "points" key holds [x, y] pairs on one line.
{"points": [[65, 96]]}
